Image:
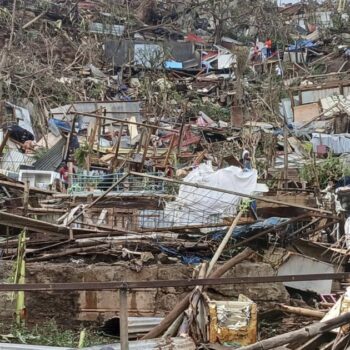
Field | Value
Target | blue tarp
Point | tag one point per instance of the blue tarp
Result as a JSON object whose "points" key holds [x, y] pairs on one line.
{"points": [[186, 259], [259, 225], [246, 230], [301, 44], [65, 126], [173, 65]]}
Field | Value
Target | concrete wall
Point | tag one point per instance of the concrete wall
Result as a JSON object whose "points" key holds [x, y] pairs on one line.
{"points": [[70, 308]]}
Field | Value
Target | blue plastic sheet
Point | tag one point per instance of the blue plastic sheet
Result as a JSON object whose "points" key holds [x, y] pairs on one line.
{"points": [[246, 230], [65, 126], [173, 65], [186, 259], [260, 225], [301, 44]]}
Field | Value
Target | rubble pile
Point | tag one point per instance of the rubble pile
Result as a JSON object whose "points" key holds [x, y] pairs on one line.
{"points": [[208, 137]]}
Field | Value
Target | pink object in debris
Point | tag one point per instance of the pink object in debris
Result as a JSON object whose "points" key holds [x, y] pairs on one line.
{"points": [[329, 298], [195, 38], [201, 122]]}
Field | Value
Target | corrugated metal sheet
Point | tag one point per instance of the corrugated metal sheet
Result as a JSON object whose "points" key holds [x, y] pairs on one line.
{"points": [[118, 51], [116, 109], [52, 158], [337, 143], [181, 51], [316, 95], [107, 29], [6, 346], [13, 159], [177, 343], [137, 326], [145, 53], [286, 109], [23, 117], [324, 18], [138, 52], [148, 55], [335, 104], [296, 264]]}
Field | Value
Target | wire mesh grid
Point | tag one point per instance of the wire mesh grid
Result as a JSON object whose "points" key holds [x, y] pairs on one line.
{"points": [[87, 183], [191, 206], [13, 159], [178, 205]]}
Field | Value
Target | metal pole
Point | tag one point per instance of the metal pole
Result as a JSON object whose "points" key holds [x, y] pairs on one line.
{"points": [[243, 195], [123, 317], [113, 285]]}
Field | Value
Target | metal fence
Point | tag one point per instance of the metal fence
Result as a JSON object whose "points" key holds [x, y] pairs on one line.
{"points": [[84, 183]]}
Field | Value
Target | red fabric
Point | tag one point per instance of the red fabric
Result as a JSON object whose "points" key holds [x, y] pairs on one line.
{"points": [[195, 38], [64, 173], [268, 44]]}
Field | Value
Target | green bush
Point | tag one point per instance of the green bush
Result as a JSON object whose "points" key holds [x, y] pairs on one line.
{"points": [[50, 334], [330, 169]]}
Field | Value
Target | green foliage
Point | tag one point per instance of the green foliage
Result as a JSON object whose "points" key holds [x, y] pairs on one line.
{"points": [[50, 334], [245, 205], [95, 90], [82, 153], [213, 110], [39, 153], [330, 169]]}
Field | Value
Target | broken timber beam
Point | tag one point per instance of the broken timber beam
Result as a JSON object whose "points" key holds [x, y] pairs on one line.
{"points": [[302, 311], [22, 186], [184, 303], [302, 334]]}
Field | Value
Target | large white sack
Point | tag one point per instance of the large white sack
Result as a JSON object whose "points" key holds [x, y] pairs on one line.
{"points": [[198, 206]]}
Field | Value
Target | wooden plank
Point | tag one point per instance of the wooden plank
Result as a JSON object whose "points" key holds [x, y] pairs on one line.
{"points": [[4, 142], [21, 186], [123, 316], [306, 113]]}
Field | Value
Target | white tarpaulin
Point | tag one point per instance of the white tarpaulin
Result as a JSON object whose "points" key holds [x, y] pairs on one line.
{"points": [[195, 206]]}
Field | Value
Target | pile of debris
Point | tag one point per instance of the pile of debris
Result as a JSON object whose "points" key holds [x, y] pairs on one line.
{"points": [[211, 139]]}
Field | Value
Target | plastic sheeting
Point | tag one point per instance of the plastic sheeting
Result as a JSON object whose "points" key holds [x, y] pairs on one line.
{"points": [[246, 230], [193, 204], [347, 233], [23, 117], [301, 44]]}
